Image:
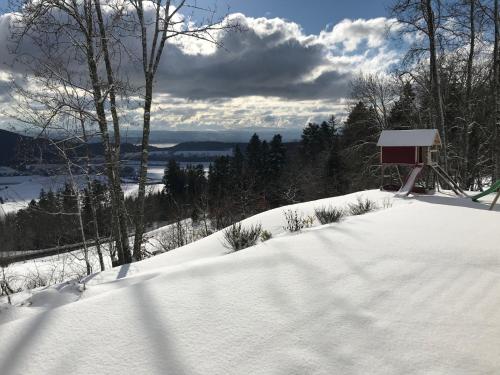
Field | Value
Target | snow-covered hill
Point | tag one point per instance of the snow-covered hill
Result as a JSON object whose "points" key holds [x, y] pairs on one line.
{"points": [[412, 288]]}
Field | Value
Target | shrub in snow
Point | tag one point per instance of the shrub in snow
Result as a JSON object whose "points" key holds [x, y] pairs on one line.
{"points": [[175, 235], [327, 215], [387, 203], [295, 222], [238, 238], [362, 207], [265, 235], [37, 280], [179, 234]]}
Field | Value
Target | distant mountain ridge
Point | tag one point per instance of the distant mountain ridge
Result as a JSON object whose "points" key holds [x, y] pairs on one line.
{"points": [[17, 149]]}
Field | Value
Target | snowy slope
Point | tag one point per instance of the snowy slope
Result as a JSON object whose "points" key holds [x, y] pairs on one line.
{"points": [[410, 289]]}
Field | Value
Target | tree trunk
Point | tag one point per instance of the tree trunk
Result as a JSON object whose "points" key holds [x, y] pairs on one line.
{"points": [[91, 198], [469, 117], [116, 132], [496, 95], [97, 236], [76, 191], [120, 224], [139, 217], [435, 81]]}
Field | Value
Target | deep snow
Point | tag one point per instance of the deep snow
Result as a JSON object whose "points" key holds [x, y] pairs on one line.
{"points": [[413, 288]]}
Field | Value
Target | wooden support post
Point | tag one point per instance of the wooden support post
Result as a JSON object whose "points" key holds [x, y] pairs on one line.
{"points": [[382, 178], [495, 200], [399, 175]]}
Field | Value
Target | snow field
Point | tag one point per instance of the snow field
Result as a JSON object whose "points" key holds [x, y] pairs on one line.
{"points": [[410, 289]]}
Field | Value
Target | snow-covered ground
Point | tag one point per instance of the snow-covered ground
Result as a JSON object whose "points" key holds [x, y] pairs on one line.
{"points": [[18, 191], [412, 288], [130, 189]]}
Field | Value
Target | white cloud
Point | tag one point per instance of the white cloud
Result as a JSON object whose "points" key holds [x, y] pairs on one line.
{"points": [[271, 75], [351, 33]]}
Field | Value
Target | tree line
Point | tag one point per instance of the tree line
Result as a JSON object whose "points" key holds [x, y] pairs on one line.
{"points": [[449, 79], [263, 176]]}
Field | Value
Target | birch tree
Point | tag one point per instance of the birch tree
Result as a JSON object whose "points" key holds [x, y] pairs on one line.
{"points": [[63, 47], [166, 23]]}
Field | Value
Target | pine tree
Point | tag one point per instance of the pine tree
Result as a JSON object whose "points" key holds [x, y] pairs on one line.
{"points": [[359, 138], [237, 162], [335, 168], [311, 141], [174, 180], [403, 114], [277, 156], [254, 153]]}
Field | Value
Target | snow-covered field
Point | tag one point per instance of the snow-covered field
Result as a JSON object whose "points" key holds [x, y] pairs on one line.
{"points": [[18, 191], [412, 288]]}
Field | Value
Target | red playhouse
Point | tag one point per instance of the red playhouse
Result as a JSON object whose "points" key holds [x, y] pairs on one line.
{"points": [[415, 150]]}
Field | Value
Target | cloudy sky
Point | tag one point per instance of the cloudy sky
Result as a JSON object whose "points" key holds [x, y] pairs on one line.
{"points": [[292, 64]]}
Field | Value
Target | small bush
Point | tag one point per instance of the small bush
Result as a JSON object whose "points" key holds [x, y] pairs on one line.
{"points": [[387, 203], [238, 238], [265, 235], [176, 235], [362, 207], [327, 215], [295, 222]]}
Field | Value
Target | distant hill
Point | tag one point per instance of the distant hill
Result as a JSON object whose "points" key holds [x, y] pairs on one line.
{"points": [[17, 149], [241, 135], [8, 146], [206, 146]]}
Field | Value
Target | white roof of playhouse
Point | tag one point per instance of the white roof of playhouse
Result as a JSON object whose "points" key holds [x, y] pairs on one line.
{"points": [[416, 137]]}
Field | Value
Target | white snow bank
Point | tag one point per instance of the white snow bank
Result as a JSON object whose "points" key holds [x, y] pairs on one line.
{"points": [[412, 289]]}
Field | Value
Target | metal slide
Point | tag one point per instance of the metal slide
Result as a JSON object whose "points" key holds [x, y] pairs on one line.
{"points": [[410, 181]]}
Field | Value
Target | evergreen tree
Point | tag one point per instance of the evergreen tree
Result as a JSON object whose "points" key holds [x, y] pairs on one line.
{"points": [[195, 182], [277, 156], [335, 169], [403, 114], [174, 180], [359, 138], [275, 166], [237, 162], [311, 141], [254, 153]]}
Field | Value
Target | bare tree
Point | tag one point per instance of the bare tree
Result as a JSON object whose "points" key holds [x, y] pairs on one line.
{"points": [[5, 288], [424, 17], [376, 91], [166, 24], [496, 94], [68, 60], [90, 190]]}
